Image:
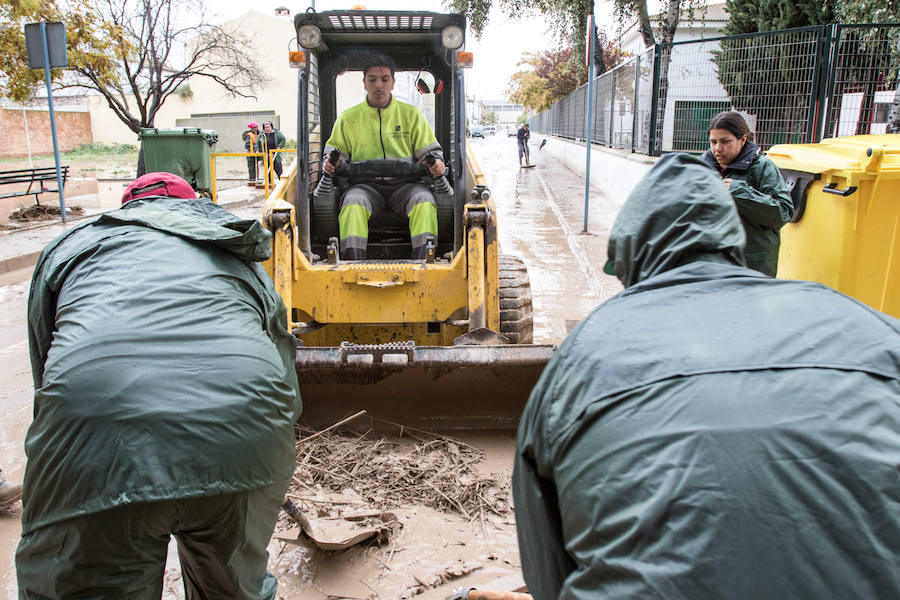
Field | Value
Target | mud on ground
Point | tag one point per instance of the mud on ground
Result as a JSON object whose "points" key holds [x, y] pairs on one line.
{"points": [[452, 500], [449, 517], [41, 212]]}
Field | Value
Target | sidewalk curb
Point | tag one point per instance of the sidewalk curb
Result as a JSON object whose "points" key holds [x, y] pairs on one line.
{"points": [[18, 262]]}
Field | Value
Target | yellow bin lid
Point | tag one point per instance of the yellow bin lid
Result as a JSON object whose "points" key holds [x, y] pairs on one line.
{"points": [[843, 160]]}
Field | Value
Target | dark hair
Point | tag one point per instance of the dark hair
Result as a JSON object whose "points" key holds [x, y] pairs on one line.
{"points": [[731, 121], [269, 123], [377, 59]]}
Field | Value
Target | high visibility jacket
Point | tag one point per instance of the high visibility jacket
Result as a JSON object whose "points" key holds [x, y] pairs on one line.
{"points": [[251, 141], [363, 132]]}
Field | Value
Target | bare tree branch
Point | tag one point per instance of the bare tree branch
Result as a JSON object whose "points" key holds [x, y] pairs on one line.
{"points": [[135, 53]]}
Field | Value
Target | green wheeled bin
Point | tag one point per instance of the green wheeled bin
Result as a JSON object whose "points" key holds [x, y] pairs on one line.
{"points": [[183, 151]]}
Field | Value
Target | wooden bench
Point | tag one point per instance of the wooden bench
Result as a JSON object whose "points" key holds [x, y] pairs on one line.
{"points": [[32, 177]]}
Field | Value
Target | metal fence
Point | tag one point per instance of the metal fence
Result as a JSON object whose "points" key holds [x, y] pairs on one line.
{"points": [[863, 79], [622, 106], [793, 86]]}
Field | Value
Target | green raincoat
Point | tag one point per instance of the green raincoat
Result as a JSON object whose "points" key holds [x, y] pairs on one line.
{"points": [[710, 432], [763, 202], [162, 367]]}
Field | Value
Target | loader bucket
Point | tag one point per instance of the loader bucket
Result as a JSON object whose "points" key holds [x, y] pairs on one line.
{"points": [[436, 388]]}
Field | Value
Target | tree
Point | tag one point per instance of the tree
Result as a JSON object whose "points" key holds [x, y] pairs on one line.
{"points": [[127, 50], [866, 61], [548, 78], [879, 11], [567, 18], [527, 89], [551, 76], [90, 44], [762, 74]]}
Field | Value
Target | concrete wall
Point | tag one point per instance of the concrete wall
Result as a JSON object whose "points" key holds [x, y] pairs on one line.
{"points": [[271, 36], [73, 128], [229, 127], [106, 127], [613, 172]]}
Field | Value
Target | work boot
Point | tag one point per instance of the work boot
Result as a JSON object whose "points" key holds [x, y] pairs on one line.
{"points": [[9, 494]]}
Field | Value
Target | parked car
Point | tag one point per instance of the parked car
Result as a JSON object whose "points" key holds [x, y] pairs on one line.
{"points": [[490, 129], [511, 132], [478, 131]]}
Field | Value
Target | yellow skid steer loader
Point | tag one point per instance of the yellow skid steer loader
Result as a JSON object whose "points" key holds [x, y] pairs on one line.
{"points": [[443, 342]]}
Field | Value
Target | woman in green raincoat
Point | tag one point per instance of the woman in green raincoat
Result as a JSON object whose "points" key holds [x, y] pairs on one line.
{"points": [[756, 185]]}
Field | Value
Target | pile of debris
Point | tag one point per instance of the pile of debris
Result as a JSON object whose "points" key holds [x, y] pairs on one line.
{"points": [[440, 473], [40, 212]]}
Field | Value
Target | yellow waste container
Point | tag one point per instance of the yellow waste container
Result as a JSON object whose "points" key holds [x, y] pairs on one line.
{"points": [[846, 229]]}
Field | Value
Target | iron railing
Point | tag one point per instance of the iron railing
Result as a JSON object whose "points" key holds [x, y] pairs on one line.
{"points": [[622, 105], [793, 86], [862, 80]]}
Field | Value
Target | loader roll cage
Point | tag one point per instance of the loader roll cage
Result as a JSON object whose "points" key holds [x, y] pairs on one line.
{"points": [[346, 39]]}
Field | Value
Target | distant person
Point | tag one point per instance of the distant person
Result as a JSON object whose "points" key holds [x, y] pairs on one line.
{"points": [[383, 127], [164, 404], [272, 139], [9, 494], [522, 137], [756, 185], [711, 432], [252, 143]]}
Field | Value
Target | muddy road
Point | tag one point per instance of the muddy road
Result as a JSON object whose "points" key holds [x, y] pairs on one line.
{"points": [[540, 214]]}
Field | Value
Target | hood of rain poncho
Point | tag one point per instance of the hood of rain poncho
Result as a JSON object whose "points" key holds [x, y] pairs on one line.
{"points": [[680, 212]]}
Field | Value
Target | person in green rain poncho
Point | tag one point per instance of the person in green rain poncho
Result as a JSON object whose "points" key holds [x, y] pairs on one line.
{"points": [[760, 194], [711, 432], [165, 398]]}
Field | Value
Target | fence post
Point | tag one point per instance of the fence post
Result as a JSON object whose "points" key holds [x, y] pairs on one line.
{"points": [[817, 92], [587, 127], [634, 106], [612, 107], [654, 100], [833, 39]]}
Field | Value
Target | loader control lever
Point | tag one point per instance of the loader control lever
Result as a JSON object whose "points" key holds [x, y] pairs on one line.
{"points": [[326, 183], [441, 185], [334, 156]]}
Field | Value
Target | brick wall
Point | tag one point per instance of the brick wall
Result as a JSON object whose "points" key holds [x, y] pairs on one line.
{"points": [[72, 130]]}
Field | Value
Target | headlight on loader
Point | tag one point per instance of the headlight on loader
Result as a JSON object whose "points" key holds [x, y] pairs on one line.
{"points": [[309, 36], [452, 37]]}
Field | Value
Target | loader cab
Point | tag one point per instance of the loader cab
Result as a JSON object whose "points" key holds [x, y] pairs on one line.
{"points": [[338, 44]]}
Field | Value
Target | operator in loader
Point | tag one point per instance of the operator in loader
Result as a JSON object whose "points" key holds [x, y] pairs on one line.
{"points": [[165, 398], [384, 127], [711, 432]]}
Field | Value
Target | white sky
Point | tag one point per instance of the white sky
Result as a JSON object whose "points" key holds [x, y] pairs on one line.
{"points": [[496, 55]]}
